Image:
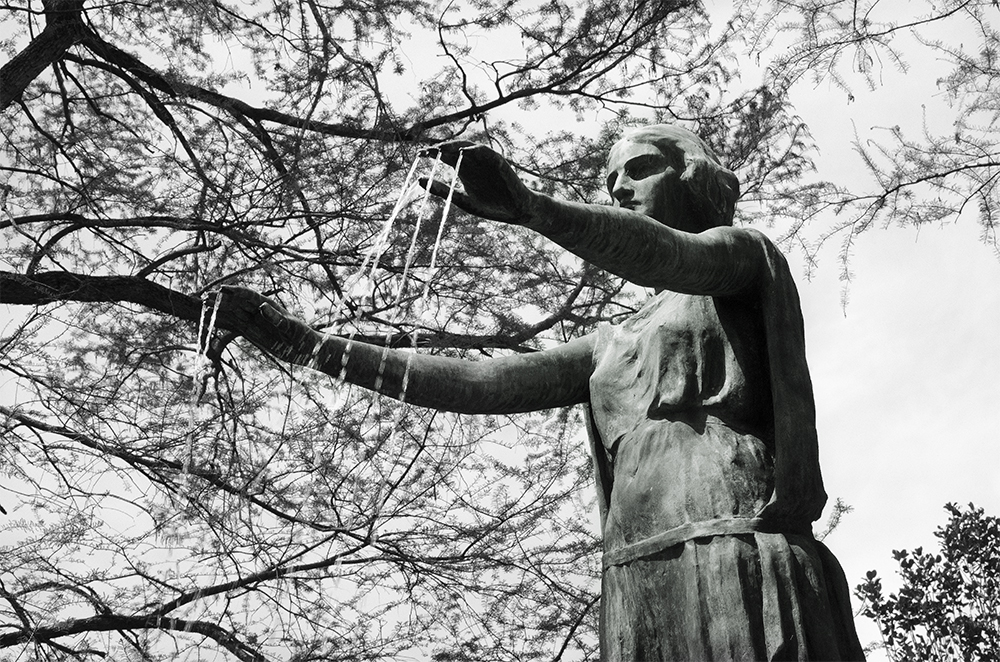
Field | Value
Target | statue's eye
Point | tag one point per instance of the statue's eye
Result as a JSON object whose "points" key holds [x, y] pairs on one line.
{"points": [[638, 168], [644, 166]]}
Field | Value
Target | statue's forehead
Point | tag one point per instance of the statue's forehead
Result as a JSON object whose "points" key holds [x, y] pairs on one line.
{"points": [[626, 149]]}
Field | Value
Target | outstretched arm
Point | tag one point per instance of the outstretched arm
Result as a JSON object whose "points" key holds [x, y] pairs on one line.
{"points": [[525, 382], [717, 262]]}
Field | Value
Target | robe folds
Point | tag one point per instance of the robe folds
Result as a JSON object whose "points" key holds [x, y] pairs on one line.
{"points": [[703, 429]]}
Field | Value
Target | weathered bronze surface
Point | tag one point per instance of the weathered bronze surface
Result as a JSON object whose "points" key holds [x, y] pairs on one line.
{"points": [[701, 406]]}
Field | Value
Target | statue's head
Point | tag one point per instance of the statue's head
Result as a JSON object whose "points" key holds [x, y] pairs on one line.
{"points": [[670, 174]]}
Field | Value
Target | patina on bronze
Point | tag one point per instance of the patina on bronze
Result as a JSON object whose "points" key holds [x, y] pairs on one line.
{"points": [[700, 406]]}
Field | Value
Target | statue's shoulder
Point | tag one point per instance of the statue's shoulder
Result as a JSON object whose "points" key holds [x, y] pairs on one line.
{"points": [[763, 243], [755, 235]]}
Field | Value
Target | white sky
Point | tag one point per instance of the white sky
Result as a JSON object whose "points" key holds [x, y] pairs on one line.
{"points": [[907, 390], [907, 378]]}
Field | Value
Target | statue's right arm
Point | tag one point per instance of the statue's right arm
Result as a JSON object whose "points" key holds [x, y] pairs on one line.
{"points": [[524, 382], [719, 261]]}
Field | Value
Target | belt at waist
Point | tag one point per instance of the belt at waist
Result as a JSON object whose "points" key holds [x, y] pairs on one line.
{"points": [[727, 526]]}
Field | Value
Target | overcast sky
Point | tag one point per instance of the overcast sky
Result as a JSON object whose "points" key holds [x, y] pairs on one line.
{"points": [[907, 377]]}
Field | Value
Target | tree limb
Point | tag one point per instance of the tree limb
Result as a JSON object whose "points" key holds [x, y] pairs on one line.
{"points": [[110, 622], [55, 286], [63, 28]]}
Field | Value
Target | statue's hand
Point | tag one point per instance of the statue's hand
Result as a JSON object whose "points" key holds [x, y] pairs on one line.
{"points": [[265, 322], [492, 189]]}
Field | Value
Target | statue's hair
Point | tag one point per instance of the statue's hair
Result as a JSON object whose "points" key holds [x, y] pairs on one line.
{"points": [[713, 189]]}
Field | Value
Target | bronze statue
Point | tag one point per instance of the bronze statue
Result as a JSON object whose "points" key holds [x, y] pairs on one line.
{"points": [[701, 406]]}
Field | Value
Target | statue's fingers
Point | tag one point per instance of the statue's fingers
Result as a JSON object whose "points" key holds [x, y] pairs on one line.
{"points": [[448, 151], [236, 297], [468, 204], [232, 300], [271, 314], [286, 330], [229, 293], [458, 198], [440, 189]]}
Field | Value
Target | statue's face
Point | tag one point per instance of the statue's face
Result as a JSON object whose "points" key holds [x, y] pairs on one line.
{"points": [[644, 179]]}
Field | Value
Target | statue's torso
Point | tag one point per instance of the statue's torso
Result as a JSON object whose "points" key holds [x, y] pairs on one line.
{"points": [[681, 398]]}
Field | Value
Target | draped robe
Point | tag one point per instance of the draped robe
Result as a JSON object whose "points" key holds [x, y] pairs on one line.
{"points": [[703, 432]]}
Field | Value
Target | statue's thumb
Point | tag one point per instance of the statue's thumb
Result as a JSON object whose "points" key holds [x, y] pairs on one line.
{"points": [[440, 189], [271, 314], [458, 198]]}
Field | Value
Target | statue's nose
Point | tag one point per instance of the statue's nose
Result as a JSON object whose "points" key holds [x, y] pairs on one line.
{"points": [[622, 191]]}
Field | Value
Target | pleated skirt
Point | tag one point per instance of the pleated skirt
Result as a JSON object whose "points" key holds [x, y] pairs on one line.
{"points": [[760, 596]]}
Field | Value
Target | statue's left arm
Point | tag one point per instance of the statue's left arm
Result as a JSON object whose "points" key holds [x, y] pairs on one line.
{"points": [[555, 377]]}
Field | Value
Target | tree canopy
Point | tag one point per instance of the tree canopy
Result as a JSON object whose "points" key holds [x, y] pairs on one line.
{"points": [[169, 489], [922, 174], [947, 606]]}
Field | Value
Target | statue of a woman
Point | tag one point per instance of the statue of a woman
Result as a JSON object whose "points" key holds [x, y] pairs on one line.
{"points": [[701, 407]]}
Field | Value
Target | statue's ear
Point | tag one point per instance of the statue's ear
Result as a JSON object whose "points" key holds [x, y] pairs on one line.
{"points": [[715, 190]]}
